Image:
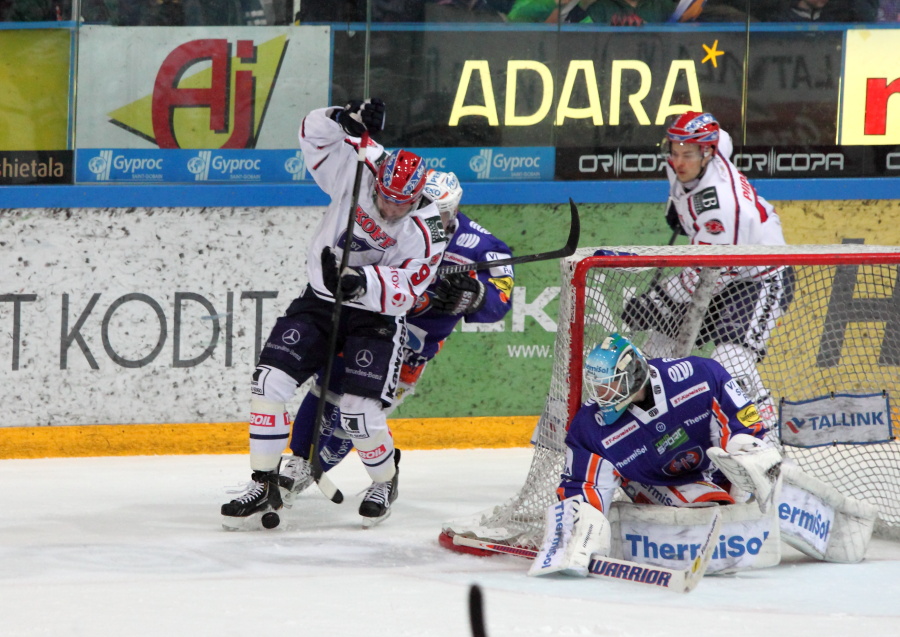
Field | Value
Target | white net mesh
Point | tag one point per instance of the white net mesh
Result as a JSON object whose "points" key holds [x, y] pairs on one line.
{"points": [[789, 322]]}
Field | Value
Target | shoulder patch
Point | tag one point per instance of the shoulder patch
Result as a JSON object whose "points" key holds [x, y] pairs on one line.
{"points": [[436, 228], [714, 226], [706, 199], [681, 371]]}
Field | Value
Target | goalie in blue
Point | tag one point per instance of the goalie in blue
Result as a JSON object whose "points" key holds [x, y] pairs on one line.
{"points": [[672, 432]]}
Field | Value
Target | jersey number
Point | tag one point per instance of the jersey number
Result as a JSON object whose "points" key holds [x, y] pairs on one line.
{"points": [[421, 275]]}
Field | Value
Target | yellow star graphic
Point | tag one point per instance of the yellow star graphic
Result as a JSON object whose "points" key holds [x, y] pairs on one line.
{"points": [[712, 54]]}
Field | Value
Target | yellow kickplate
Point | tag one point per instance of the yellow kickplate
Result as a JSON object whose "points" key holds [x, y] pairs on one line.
{"points": [[228, 437]]}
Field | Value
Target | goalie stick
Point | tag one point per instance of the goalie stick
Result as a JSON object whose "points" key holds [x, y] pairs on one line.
{"points": [[565, 251], [677, 581]]}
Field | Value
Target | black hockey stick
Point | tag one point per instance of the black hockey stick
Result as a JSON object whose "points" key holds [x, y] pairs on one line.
{"points": [[566, 251], [476, 611], [325, 484]]}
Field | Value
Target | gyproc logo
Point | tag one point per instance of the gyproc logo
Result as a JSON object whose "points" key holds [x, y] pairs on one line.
{"points": [[199, 165], [296, 166], [481, 163], [101, 164]]}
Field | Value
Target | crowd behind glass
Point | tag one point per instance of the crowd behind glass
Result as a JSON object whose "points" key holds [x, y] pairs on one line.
{"points": [[624, 13]]}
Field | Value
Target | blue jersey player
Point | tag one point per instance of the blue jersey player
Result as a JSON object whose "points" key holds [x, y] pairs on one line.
{"points": [[673, 432], [482, 297]]}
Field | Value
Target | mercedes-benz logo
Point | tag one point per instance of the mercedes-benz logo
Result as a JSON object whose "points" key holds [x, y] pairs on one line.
{"points": [[364, 358], [291, 337]]}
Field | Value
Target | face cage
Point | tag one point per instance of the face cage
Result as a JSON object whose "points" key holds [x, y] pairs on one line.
{"points": [[617, 395]]}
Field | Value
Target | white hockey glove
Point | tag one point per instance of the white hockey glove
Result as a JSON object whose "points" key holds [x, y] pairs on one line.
{"points": [[575, 530], [351, 280], [751, 465]]}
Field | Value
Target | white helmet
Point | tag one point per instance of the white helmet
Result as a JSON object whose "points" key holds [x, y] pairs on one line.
{"points": [[444, 190]]}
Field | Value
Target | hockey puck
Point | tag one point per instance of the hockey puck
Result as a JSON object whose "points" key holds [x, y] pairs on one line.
{"points": [[270, 520]]}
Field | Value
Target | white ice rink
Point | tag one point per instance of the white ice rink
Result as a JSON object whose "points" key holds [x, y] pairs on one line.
{"points": [[133, 547]]}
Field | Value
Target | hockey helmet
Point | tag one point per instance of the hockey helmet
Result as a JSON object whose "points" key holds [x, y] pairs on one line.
{"points": [[614, 372], [693, 128], [444, 190], [401, 178]]}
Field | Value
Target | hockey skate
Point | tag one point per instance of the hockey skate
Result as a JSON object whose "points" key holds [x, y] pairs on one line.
{"points": [[294, 478], [256, 505], [376, 504]]}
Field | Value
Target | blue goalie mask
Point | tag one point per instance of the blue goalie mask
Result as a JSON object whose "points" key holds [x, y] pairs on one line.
{"points": [[614, 372]]}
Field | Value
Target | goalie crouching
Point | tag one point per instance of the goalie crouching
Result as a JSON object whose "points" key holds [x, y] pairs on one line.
{"points": [[682, 433]]}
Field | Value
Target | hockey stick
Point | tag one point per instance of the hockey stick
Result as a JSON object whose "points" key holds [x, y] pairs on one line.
{"points": [[322, 480], [677, 581], [566, 251], [476, 612]]}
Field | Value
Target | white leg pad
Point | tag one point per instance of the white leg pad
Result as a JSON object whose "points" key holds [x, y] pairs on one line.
{"points": [[574, 531], [365, 422], [821, 522], [672, 536], [270, 428]]}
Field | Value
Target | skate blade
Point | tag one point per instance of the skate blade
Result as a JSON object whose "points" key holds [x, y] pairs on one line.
{"points": [[368, 523]]}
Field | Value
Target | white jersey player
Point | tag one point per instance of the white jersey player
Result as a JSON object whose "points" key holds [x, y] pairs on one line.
{"points": [[712, 203], [395, 248]]}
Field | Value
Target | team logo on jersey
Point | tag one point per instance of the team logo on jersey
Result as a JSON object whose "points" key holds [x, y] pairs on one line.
{"points": [[696, 390], [714, 226], [612, 439], [681, 371], [671, 440], [706, 199], [684, 462]]}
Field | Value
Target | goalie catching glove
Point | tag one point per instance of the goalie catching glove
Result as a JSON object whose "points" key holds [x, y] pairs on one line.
{"points": [[359, 116], [458, 294], [750, 465], [574, 531], [351, 280]]}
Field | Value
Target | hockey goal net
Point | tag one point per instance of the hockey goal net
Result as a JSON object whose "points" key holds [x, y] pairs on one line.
{"points": [[829, 324]]}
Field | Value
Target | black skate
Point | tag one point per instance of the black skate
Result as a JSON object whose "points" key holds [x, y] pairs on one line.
{"points": [[256, 505], [376, 504], [294, 478]]}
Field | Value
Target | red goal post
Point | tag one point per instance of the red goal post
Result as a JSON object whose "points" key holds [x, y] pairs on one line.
{"points": [[832, 327]]}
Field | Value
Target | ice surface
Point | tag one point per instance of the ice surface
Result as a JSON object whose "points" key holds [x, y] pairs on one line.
{"points": [[133, 547]]}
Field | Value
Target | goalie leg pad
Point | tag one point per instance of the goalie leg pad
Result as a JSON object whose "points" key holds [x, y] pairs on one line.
{"points": [[671, 537], [574, 531], [819, 521]]}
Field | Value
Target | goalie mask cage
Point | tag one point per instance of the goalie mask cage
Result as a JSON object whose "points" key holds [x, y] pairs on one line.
{"points": [[840, 332]]}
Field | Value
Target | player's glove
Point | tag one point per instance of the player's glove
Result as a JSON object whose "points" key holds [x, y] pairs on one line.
{"points": [[351, 280], [458, 293], [673, 220], [654, 311], [359, 116]]}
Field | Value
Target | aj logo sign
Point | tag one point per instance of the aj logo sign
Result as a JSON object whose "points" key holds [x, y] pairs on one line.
{"points": [[208, 93]]}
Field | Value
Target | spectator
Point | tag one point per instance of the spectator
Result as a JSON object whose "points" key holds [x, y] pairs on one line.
{"points": [[889, 11], [628, 12], [34, 10], [827, 11]]}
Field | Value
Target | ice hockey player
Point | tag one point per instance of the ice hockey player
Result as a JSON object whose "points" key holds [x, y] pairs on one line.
{"points": [[484, 297], [712, 203], [396, 247], [671, 432]]}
